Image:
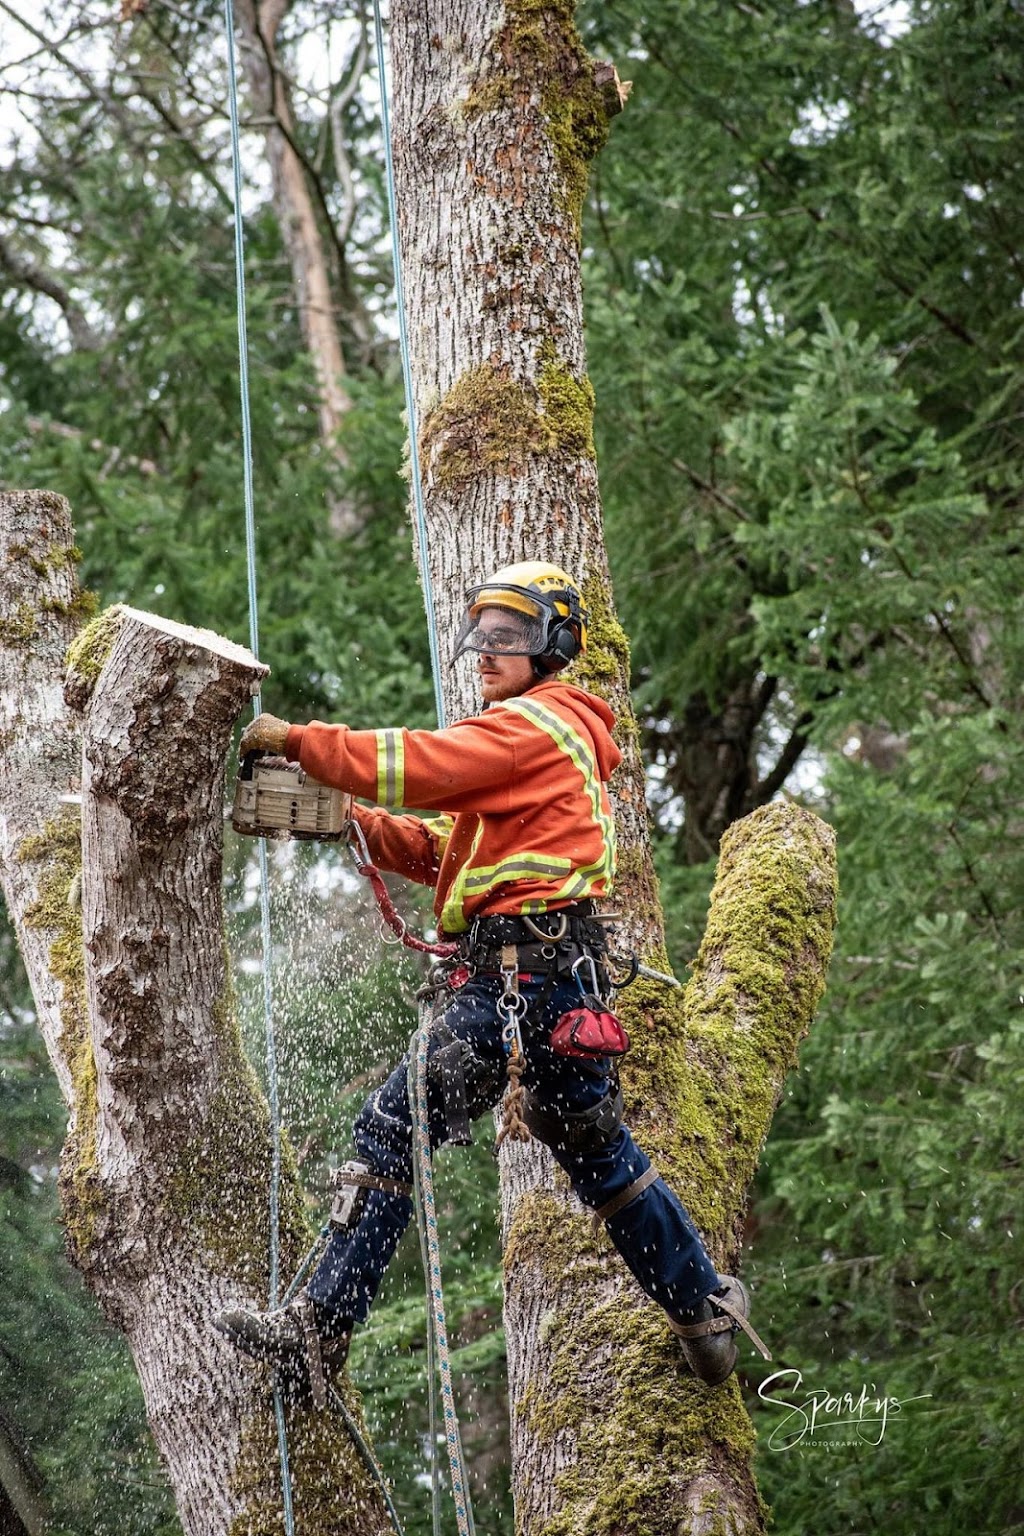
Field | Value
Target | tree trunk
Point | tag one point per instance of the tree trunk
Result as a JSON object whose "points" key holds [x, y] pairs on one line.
{"points": [[166, 1169], [497, 114]]}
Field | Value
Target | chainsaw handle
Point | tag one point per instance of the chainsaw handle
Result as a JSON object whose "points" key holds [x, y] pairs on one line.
{"points": [[249, 762]]}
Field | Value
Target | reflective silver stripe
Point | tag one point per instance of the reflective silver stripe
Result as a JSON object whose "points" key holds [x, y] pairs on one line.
{"points": [[575, 747], [521, 867], [390, 767]]}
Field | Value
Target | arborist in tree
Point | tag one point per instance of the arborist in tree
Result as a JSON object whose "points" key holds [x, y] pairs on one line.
{"points": [[520, 849]]}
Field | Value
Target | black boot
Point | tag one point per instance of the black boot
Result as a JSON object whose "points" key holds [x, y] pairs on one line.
{"points": [[708, 1333], [289, 1340]]}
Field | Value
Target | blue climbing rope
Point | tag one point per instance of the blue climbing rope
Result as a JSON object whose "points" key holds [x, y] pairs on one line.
{"points": [[437, 1335], [273, 1091]]}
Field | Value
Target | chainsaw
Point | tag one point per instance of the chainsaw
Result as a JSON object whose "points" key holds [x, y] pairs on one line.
{"points": [[277, 799]]}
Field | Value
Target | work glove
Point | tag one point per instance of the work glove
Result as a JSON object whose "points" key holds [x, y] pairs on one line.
{"points": [[264, 734]]}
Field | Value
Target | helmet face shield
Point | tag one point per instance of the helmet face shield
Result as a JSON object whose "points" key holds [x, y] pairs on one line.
{"points": [[498, 631]]}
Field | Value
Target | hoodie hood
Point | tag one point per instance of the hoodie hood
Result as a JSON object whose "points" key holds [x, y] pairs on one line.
{"points": [[594, 715]]}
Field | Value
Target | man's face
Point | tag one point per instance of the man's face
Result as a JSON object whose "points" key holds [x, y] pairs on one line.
{"points": [[501, 677]]}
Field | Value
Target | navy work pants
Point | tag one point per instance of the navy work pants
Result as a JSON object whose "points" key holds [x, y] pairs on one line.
{"points": [[653, 1233]]}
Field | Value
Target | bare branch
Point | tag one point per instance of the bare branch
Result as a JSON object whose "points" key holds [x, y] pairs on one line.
{"points": [[37, 277]]}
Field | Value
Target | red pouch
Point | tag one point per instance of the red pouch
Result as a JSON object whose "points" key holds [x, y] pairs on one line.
{"points": [[586, 1031]]}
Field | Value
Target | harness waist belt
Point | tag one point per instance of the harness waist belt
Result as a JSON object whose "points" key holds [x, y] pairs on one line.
{"points": [[575, 925]]}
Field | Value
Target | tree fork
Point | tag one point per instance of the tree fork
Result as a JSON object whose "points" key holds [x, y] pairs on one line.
{"points": [[165, 1179]]}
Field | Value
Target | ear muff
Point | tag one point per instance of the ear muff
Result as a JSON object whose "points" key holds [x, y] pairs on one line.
{"points": [[564, 645]]}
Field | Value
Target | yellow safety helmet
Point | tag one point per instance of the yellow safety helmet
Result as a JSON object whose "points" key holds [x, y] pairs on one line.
{"points": [[550, 623]]}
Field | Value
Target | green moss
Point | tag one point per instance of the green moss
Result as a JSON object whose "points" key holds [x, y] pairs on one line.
{"points": [[20, 628], [568, 406], [88, 652], [57, 909], [538, 52], [488, 423], [82, 607], [604, 667], [700, 1086], [55, 557], [331, 1488], [677, 1428]]}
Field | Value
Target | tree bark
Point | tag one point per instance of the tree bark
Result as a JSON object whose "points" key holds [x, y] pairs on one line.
{"points": [[166, 1169], [497, 115]]}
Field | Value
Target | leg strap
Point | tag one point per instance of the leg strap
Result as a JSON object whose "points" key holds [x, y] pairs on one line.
{"points": [[351, 1181], [625, 1197], [730, 1317]]}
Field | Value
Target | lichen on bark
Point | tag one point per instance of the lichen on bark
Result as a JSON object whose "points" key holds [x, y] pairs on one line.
{"points": [[57, 910], [538, 53]]}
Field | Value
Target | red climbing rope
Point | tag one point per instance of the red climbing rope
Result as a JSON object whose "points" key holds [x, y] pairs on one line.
{"points": [[353, 833]]}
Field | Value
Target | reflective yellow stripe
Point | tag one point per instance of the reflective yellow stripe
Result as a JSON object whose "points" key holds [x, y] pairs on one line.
{"points": [[580, 755], [521, 866], [453, 918], [477, 882], [390, 767], [440, 828]]}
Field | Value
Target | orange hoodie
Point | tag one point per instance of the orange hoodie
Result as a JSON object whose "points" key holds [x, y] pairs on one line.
{"points": [[525, 823]]}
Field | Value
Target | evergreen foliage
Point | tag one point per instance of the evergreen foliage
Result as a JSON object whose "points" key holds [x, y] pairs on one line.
{"points": [[805, 327], [803, 283]]}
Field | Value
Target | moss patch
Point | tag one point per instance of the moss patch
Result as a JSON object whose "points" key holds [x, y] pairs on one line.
{"points": [[538, 54], [80, 608], [331, 1488], [489, 423], [568, 406], [631, 1481], [485, 423], [57, 909], [88, 652], [20, 627], [604, 667]]}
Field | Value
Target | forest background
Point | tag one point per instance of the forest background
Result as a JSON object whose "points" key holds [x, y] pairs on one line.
{"points": [[804, 288]]}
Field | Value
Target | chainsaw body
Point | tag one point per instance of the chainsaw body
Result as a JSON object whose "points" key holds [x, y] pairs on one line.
{"points": [[278, 799]]}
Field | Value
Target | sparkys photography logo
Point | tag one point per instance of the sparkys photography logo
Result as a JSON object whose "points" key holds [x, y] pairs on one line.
{"points": [[818, 1416]]}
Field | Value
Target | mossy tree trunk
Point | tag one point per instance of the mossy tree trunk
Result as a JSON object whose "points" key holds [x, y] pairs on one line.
{"points": [[498, 111], [165, 1171]]}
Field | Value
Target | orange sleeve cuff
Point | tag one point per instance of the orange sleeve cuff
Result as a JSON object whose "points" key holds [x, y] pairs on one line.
{"points": [[293, 743]]}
